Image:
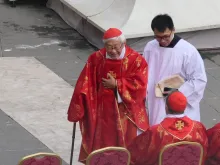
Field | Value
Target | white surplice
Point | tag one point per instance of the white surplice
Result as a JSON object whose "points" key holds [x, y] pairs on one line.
{"points": [[182, 59]]}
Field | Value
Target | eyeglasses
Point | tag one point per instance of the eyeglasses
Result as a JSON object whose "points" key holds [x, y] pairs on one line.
{"points": [[116, 47], [165, 37]]}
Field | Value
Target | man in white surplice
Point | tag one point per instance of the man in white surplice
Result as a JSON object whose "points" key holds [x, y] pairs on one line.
{"points": [[168, 55]]}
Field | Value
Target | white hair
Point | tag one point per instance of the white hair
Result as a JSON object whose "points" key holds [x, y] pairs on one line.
{"points": [[120, 38]]}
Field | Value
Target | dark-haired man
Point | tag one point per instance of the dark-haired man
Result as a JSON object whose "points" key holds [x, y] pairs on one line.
{"points": [[169, 55]]}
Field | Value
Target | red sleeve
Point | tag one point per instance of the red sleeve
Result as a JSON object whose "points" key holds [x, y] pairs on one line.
{"points": [[132, 87], [84, 88]]}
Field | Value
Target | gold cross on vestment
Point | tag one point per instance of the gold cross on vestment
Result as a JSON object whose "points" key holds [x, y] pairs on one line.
{"points": [[179, 125], [112, 74]]}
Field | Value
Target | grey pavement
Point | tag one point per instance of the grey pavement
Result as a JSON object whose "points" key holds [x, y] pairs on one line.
{"points": [[30, 30], [16, 142]]}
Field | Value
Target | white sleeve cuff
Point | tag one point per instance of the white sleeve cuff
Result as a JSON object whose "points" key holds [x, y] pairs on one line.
{"points": [[119, 97]]}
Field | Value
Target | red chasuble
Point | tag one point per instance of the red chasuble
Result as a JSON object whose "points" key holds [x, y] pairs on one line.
{"points": [[146, 147], [103, 121], [214, 145]]}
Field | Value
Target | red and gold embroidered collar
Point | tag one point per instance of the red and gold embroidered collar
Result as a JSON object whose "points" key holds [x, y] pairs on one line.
{"points": [[178, 127]]}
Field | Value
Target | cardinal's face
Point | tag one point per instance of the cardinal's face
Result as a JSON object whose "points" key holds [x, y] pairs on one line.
{"points": [[114, 48]]}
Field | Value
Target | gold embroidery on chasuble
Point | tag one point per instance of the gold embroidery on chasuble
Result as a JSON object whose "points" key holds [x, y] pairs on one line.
{"points": [[93, 114], [119, 126], [141, 118], [136, 85], [119, 84], [85, 91], [85, 81], [120, 123], [120, 129], [127, 95], [112, 74], [91, 93], [125, 63], [124, 121], [85, 84], [138, 60], [160, 130], [179, 125]]}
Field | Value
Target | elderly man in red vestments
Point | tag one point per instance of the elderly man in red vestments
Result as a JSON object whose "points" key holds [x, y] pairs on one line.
{"points": [[175, 127], [213, 157], [109, 97]]}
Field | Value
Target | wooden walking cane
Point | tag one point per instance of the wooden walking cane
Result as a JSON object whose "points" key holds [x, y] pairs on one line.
{"points": [[73, 140]]}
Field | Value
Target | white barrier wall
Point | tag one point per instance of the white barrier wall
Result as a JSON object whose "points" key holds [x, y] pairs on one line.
{"points": [[188, 15], [92, 17]]}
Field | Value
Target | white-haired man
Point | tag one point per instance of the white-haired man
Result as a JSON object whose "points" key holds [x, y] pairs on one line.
{"points": [[109, 97]]}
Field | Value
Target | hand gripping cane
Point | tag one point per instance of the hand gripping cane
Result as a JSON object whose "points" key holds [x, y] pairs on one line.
{"points": [[73, 140]]}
